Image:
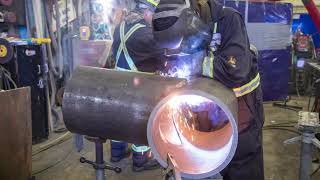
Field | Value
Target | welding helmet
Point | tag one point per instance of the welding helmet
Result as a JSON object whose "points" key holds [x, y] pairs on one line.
{"points": [[150, 4], [178, 28]]}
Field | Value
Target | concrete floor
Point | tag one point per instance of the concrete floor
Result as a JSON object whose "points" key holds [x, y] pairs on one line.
{"points": [[281, 162]]}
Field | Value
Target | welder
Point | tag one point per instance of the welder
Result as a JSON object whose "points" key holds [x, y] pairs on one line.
{"points": [[188, 27], [134, 49]]}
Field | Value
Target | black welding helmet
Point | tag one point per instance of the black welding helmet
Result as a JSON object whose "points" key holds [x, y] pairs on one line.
{"points": [[150, 4], [179, 29]]}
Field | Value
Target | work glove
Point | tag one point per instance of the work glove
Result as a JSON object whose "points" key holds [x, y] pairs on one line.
{"points": [[206, 117]]}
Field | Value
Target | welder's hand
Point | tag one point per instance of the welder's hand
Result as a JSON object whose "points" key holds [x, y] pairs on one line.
{"points": [[215, 42], [210, 117], [218, 118]]}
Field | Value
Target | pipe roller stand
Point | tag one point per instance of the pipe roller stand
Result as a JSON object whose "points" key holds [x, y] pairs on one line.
{"points": [[99, 165]]}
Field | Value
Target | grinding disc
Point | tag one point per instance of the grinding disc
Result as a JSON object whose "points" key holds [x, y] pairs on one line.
{"points": [[6, 51], [6, 2]]}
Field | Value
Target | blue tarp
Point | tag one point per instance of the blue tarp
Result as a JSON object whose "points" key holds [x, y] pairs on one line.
{"points": [[263, 12], [240, 6], [269, 28], [273, 66], [270, 13]]}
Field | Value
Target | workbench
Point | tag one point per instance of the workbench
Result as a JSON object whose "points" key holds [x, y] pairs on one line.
{"points": [[314, 66], [312, 72], [313, 76]]}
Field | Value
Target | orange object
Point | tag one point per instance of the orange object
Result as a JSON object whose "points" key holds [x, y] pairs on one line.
{"points": [[84, 33], [41, 40]]}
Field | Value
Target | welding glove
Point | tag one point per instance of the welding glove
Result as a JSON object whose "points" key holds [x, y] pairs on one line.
{"points": [[188, 67], [209, 116]]}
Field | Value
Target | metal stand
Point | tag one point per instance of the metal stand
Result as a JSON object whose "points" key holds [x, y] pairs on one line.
{"points": [[99, 165], [173, 174], [307, 125]]}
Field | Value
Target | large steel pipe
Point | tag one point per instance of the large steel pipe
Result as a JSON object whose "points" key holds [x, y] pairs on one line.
{"points": [[112, 104], [194, 124]]}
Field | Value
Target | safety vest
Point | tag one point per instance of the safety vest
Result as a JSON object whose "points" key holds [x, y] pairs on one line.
{"points": [[122, 47], [140, 149], [207, 70]]}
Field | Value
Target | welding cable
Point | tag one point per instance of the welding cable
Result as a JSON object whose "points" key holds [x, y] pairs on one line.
{"points": [[4, 81], [63, 138], [7, 78], [11, 81], [281, 129], [280, 126], [5, 84], [315, 171], [309, 101], [283, 123], [54, 164]]}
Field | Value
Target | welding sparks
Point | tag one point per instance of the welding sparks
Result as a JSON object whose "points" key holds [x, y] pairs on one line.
{"points": [[184, 71], [180, 107], [190, 100], [176, 128], [185, 66]]}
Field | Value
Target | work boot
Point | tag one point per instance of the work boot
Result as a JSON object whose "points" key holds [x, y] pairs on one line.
{"points": [[143, 160], [119, 150]]}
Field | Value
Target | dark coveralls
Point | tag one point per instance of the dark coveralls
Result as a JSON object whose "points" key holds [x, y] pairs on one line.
{"points": [[134, 49], [234, 65], [143, 50]]}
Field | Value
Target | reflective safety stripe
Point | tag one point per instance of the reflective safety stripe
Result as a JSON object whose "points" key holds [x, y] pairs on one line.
{"points": [[207, 66], [140, 149], [154, 2], [122, 47], [215, 27], [121, 69], [247, 88], [116, 141]]}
